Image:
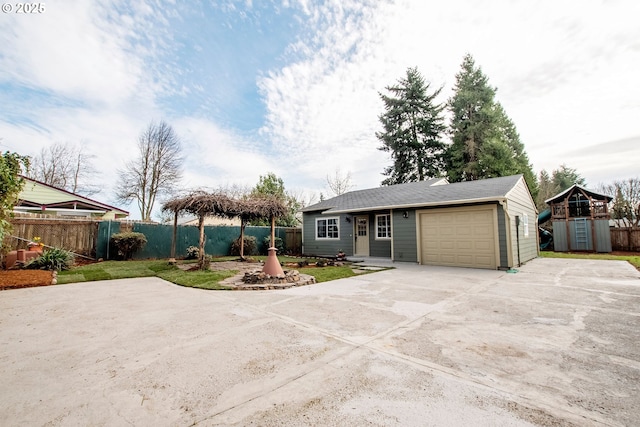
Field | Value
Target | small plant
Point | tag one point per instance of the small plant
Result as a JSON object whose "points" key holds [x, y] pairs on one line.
{"points": [[250, 246], [36, 241], [52, 259], [128, 243], [193, 252]]}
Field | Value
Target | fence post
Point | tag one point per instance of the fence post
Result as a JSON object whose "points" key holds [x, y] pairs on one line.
{"points": [[108, 237]]}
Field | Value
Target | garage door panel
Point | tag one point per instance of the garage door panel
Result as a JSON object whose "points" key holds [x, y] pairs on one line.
{"points": [[464, 237], [465, 245], [463, 231], [482, 245], [447, 258]]}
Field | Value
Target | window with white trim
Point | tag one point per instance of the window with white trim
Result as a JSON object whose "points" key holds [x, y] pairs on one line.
{"points": [[327, 228], [383, 226], [525, 224]]}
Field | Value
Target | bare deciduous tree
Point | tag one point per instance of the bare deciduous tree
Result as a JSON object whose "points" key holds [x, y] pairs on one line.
{"points": [[65, 166], [156, 170], [626, 201], [338, 183]]}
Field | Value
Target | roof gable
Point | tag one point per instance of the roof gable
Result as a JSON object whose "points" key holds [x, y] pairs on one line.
{"points": [[416, 194], [37, 193], [566, 193]]}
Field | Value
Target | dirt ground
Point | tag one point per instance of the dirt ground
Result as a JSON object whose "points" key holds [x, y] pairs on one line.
{"points": [[13, 279]]}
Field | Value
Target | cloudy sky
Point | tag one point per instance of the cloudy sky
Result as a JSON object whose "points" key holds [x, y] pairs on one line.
{"points": [[292, 86]]}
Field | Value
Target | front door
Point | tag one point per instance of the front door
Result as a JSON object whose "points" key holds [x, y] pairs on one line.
{"points": [[362, 235]]}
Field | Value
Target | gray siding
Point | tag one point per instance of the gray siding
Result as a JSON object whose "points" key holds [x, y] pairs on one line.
{"points": [[560, 242], [564, 243], [326, 247], [502, 239], [520, 203], [603, 235], [378, 248], [405, 240]]}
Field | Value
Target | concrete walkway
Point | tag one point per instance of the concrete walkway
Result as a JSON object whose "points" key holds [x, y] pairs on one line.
{"points": [[552, 345]]}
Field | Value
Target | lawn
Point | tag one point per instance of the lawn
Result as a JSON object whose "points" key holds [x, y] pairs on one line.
{"points": [[198, 279], [633, 259]]}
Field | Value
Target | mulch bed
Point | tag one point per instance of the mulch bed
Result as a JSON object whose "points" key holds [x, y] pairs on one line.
{"points": [[13, 279]]}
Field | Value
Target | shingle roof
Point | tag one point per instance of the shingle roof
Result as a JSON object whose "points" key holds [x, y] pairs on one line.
{"points": [[416, 194]]}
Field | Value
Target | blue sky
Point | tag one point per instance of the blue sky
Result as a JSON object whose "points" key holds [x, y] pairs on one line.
{"points": [[292, 87]]}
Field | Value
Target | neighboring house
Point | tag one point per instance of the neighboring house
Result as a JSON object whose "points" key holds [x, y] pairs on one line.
{"points": [[38, 197], [488, 223], [211, 220], [580, 219]]}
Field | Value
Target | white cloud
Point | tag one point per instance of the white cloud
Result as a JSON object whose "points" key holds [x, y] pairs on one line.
{"points": [[217, 157], [560, 69], [99, 72], [85, 51]]}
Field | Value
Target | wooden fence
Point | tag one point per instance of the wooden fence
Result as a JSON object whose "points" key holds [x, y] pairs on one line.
{"points": [[75, 235], [88, 238], [625, 239], [293, 241]]}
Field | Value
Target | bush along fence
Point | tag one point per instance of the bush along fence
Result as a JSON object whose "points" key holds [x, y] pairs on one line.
{"points": [[218, 239]]}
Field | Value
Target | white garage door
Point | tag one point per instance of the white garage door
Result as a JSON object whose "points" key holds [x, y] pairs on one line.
{"points": [[461, 237]]}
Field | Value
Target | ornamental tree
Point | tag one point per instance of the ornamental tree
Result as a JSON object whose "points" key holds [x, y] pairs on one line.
{"points": [[12, 165]]}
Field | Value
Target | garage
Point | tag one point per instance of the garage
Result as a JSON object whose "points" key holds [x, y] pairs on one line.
{"points": [[477, 224], [460, 237]]}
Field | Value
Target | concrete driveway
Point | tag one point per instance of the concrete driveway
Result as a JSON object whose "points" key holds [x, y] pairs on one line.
{"points": [[555, 344]]}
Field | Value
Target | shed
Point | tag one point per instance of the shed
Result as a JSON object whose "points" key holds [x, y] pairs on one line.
{"points": [[487, 223], [580, 220]]}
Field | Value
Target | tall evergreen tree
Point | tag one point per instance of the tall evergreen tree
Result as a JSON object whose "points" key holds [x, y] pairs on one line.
{"points": [[473, 122], [559, 180], [564, 177], [413, 128], [485, 142]]}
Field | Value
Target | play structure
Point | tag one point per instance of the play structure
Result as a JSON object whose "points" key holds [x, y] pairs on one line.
{"points": [[580, 220]]}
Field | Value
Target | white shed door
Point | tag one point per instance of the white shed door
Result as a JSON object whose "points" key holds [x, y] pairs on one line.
{"points": [[460, 237]]}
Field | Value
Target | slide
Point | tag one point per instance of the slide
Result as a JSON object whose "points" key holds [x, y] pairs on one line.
{"points": [[546, 238], [544, 216]]}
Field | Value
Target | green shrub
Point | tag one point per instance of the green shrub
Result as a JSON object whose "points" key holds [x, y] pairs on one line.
{"points": [[128, 243], [193, 252], [250, 246], [279, 244], [52, 259]]}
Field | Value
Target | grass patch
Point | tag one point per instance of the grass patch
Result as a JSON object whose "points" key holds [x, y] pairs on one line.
{"points": [[632, 259], [114, 270], [203, 279], [206, 279], [326, 274], [157, 268]]}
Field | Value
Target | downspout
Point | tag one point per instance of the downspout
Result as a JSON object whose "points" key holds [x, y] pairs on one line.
{"points": [[392, 233], [518, 237], [108, 238], [507, 223]]}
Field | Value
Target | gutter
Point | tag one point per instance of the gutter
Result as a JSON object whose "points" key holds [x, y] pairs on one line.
{"points": [[498, 199]]}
